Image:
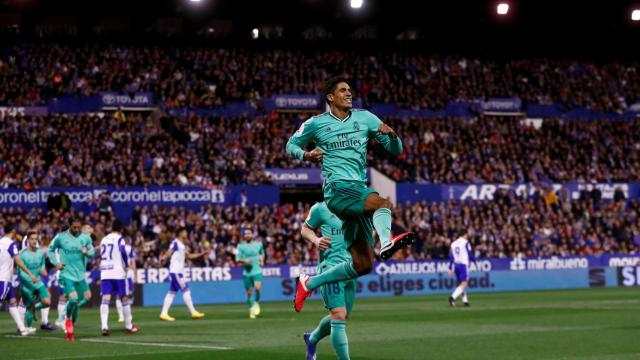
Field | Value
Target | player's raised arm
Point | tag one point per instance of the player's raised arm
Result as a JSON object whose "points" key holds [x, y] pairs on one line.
{"points": [[299, 139], [385, 135]]}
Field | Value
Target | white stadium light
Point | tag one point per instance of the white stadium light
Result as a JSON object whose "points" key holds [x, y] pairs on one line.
{"points": [[356, 4], [255, 33], [503, 8], [635, 15], [194, 0]]}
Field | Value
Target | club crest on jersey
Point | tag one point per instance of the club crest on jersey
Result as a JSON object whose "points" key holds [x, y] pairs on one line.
{"points": [[356, 126]]}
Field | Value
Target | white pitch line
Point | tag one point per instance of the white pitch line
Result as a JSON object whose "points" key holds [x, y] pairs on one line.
{"points": [[185, 346], [181, 346], [104, 355]]}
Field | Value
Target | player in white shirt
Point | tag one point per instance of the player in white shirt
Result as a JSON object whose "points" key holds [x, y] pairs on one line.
{"points": [[130, 280], [114, 264], [178, 254], [9, 255], [459, 257]]}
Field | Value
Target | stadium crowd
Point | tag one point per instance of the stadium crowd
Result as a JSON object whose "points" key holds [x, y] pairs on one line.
{"points": [[545, 225], [204, 77], [142, 149]]}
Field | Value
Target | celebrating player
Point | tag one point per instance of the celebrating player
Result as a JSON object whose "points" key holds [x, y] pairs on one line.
{"points": [[114, 264], [341, 136], [75, 248], [459, 256], [178, 254], [250, 253], [337, 297]]}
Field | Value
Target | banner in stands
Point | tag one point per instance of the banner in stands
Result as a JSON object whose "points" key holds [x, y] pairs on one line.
{"points": [[303, 176], [506, 105], [225, 285], [467, 192], [125, 199], [128, 101], [23, 110], [296, 101]]}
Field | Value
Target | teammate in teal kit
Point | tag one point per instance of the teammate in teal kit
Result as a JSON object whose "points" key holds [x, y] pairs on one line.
{"points": [[337, 297], [75, 249], [341, 136], [251, 255], [34, 295]]}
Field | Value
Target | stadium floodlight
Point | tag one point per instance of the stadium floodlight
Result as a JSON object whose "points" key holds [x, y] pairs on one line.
{"points": [[502, 9], [635, 15], [195, 1], [255, 33], [356, 4]]}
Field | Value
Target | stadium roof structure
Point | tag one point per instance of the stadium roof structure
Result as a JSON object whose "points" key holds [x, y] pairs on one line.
{"points": [[592, 28]]}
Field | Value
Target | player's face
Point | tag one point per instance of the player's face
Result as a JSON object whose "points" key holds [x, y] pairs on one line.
{"points": [[33, 241], [87, 229], [341, 96], [74, 229], [182, 235], [248, 235]]}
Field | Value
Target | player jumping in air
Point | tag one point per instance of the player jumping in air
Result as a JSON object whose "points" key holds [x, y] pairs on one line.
{"points": [[341, 136], [459, 257], [114, 265], [337, 297], [74, 249], [250, 253]]}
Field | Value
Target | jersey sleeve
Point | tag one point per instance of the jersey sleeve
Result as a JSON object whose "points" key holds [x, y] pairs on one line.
{"points": [[52, 250], [239, 252], [314, 219], [123, 252], [394, 146], [174, 245], [472, 257], [13, 249], [300, 138], [89, 245], [43, 262]]}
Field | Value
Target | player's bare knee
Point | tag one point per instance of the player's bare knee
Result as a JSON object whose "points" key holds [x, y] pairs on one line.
{"points": [[106, 297], [46, 302], [339, 314]]}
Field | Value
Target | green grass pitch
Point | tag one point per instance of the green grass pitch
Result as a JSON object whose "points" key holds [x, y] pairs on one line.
{"points": [[602, 324]]}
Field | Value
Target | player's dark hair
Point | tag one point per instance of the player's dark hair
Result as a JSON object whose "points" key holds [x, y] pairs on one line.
{"points": [[9, 227], [181, 229], [117, 226], [330, 86], [31, 232], [73, 219]]}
